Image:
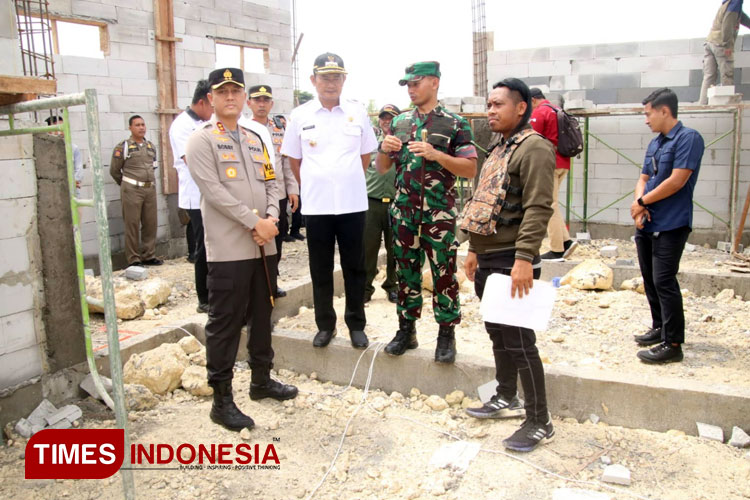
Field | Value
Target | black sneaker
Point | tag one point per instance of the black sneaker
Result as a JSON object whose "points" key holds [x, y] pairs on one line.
{"points": [[553, 256], [498, 407], [651, 337], [662, 353], [298, 236], [569, 247], [530, 435], [288, 239], [202, 307]]}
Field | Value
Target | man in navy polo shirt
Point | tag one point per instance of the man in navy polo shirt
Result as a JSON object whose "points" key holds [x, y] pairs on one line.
{"points": [[663, 215]]}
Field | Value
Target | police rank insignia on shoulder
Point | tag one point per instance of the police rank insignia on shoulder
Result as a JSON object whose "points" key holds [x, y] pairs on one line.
{"points": [[220, 126], [268, 172]]}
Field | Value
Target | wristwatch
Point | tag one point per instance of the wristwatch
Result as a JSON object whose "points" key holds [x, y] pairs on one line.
{"points": [[640, 202]]}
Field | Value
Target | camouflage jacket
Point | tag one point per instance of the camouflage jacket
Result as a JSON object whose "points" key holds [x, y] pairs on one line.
{"points": [[448, 133]]}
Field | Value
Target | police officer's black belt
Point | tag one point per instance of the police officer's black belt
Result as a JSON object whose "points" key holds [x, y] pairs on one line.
{"points": [[502, 221], [381, 200]]}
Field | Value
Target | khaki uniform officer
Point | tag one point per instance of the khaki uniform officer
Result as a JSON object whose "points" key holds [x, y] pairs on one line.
{"points": [[240, 207], [132, 167]]}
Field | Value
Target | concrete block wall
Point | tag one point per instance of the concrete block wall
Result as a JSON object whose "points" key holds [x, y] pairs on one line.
{"points": [[21, 288], [125, 79], [621, 75]]}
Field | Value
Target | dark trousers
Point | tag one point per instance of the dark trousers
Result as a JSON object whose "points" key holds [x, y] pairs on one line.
{"points": [[323, 232], [237, 296], [283, 227], [297, 219], [190, 238], [378, 227], [201, 267], [516, 355], [659, 257]]}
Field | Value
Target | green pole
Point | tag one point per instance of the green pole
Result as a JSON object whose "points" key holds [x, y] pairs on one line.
{"points": [[585, 173], [108, 289], [569, 194]]}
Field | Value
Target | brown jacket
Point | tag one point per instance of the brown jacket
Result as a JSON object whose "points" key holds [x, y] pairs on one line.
{"points": [[531, 169], [726, 24], [133, 161], [234, 178]]}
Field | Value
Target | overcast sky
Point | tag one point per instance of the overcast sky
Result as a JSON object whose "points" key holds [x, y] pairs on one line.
{"points": [[377, 39]]}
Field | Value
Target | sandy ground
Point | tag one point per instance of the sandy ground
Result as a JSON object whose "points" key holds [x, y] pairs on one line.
{"points": [[386, 453]]}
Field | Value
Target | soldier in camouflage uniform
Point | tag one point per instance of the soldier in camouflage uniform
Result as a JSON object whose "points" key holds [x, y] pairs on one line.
{"points": [[430, 147]]}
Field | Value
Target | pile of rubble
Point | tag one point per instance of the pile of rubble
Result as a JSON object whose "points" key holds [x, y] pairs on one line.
{"points": [[132, 299], [47, 416]]}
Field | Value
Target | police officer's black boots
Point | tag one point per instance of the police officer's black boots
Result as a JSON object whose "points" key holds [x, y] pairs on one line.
{"points": [[224, 412], [263, 386], [445, 352], [406, 338]]}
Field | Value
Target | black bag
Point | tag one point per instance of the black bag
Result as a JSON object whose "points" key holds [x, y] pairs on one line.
{"points": [[569, 136]]}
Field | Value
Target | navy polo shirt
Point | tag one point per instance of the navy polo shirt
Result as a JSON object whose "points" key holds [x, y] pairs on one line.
{"points": [[682, 147]]}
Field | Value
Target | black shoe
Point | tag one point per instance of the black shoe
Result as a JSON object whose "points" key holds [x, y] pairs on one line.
{"points": [[288, 239], [359, 339], [393, 297], [202, 307], [191, 259], [569, 247], [406, 338], [224, 412], [498, 407], [445, 352], [530, 435], [553, 256], [280, 292], [298, 236], [153, 262], [272, 389], [662, 353], [651, 337], [323, 338], [137, 263]]}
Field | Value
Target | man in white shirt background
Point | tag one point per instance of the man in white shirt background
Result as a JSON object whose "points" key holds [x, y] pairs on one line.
{"points": [[328, 142], [189, 197]]}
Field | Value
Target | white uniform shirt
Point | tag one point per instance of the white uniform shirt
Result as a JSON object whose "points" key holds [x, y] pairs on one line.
{"points": [[263, 132], [188, 195], [330, 145]]}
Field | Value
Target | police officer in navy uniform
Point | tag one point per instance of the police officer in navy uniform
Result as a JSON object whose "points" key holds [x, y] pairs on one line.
{"points": [[233, 169], [133, 168]]}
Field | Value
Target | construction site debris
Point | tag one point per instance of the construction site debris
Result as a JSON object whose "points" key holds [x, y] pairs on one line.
{"points": [[616, 474], [190, 344], [739, 438], [139, 398], [590, 274], [195, 380], [136, 273], [712, 432], [159, 369], [87, 384], [608, 252]]}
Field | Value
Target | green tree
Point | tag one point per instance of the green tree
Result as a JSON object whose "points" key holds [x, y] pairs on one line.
{"points": [[301, 97]]}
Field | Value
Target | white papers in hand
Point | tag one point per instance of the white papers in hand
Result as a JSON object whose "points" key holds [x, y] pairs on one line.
{"points": [[532, 311]]}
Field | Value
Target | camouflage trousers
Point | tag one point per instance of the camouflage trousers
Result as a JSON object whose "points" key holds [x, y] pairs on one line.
{"points": [[437, 244]]}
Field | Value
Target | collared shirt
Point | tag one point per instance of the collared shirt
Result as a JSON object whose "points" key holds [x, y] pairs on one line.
{"points": [[682, 147], [382, 187], [134, 160], [727, 23], [235, 178], [188, 197], [330, 145], [447, 132], [544, 120], [284, 175]]}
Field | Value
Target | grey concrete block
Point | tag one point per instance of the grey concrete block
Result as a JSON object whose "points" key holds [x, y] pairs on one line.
{"points": [[641, 64], [578, 494], [583, 237], [473, 100], [618, 81], [634, 96], [616, 474], [473, 108], [678, 78], [631, 49], [87, 384], [739, 438], [528, 55], [608, 252], [93, 9], [70, 413], [665, 47], [689, 247], [24, 428], [62, 424], [594, 66], [41, 412], [725, 100], [136, 273], [602, 96], [625, 262], [88, 272], [572, 52], [724, 246], [711, 432]]}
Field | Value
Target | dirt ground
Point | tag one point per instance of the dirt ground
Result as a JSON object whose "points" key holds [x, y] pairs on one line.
{"points": [[386, 453]]}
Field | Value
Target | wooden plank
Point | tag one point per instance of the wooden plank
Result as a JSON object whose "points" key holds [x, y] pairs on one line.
{"points": [[6, 99], [166, 87], [27, 85]]}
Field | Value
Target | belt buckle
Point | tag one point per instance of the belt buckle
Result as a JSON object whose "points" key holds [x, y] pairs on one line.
{"points": [[386, 200], [147, 184]]}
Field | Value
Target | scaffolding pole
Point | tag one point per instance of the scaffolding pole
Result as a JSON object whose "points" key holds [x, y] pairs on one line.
{"points": [[88, 98]]}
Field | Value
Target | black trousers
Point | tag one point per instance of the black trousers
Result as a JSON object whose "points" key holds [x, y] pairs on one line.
{"points": [[201, 268], [297, 219], [516, 354], [283, 226], [190, 237], [659, 257], [238, 295], [323, 232]]}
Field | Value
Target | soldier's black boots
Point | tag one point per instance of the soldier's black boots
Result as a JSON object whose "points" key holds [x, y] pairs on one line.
{"points": [[224, 412], [445, 352], [263, 386], [406, 338]]}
